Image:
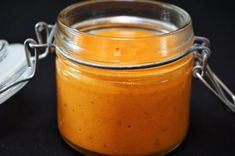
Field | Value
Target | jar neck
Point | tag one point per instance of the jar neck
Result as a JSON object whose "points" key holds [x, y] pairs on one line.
{"points": [[170, 34]]}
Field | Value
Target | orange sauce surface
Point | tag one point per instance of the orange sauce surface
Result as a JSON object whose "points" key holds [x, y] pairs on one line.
{"points": [[124, 112]]}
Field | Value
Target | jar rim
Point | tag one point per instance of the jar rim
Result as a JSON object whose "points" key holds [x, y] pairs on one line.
{"points": [[187, 18], [67, 21]]}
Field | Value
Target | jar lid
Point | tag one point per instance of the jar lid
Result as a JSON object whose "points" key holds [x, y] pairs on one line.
{"points": [[13, 65]]}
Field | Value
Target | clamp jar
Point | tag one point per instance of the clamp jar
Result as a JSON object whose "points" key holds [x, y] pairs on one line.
{"points": [[109, 101], [124, 70]]}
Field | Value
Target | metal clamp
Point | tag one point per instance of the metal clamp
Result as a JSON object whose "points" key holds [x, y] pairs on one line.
{"points": [[203, 72], [32, 49]]}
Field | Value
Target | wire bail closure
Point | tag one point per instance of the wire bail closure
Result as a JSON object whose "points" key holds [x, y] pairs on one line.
{"points": [[32, 52], [200, 49], [203, 72]]}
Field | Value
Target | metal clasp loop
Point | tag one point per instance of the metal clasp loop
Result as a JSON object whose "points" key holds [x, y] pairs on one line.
{"points": [[203, 72], [44, 41], [32, 49]]}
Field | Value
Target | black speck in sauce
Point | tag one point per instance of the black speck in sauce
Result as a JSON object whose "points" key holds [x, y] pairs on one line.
{"points": [[156, 143], [65, 105], [164, 129]]}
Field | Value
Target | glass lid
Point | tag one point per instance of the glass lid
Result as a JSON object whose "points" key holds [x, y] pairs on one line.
{"points": [[13, 65]]}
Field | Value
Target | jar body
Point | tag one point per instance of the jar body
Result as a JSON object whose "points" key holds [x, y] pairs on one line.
{"points": [[148, 115], [106, 111]]}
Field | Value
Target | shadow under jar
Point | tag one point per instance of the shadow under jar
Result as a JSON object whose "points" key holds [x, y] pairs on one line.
{"points": [[110, 102]]}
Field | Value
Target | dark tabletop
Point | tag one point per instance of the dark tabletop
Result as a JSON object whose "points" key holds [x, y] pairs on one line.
{"points": [[28, 124]]}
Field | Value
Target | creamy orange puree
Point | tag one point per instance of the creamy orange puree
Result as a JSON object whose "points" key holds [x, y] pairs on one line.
{"points": [[124, 112]]}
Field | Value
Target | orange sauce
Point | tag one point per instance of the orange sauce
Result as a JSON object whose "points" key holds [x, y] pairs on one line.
{"points": [[124, 112]]}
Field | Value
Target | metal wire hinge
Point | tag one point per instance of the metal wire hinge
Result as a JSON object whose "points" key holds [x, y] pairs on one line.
{"points": [[45, 35], [203, 72]]}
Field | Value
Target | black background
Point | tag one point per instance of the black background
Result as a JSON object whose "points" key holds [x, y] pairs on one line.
{"points": [[28, 120]]}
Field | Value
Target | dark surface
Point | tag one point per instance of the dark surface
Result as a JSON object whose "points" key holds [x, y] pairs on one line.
{"points": [[28, 123]]}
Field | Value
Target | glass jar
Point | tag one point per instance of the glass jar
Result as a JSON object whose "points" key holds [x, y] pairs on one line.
{"points": [[123, 111], [124, 70]]}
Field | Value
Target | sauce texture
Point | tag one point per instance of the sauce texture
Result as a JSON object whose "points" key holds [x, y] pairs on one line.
{"points": [[124, 112]]}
